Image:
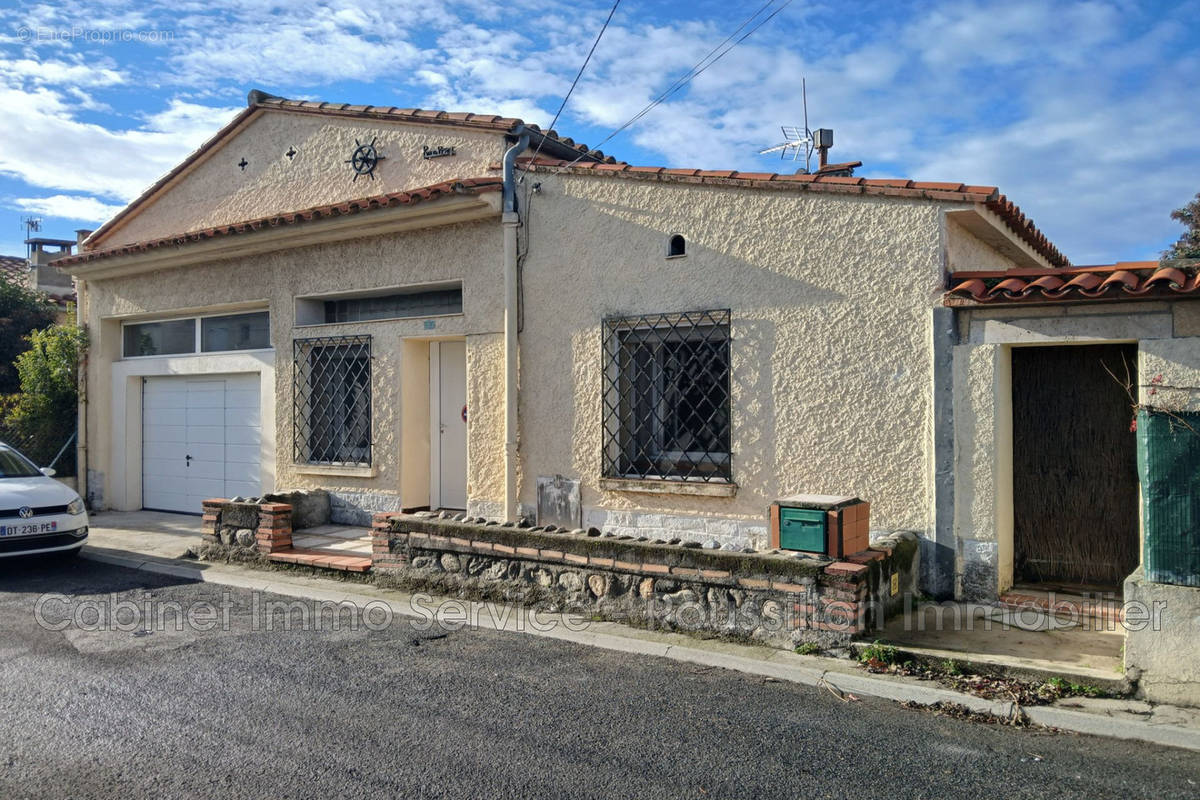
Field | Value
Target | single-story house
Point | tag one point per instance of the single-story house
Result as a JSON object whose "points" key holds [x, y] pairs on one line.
{"points": [[420, 309]]}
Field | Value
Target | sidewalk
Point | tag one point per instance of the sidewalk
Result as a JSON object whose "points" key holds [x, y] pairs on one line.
{"points": [[154, 542]]}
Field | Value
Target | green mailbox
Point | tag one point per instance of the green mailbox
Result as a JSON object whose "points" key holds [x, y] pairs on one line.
{"points": [[802, 529]]}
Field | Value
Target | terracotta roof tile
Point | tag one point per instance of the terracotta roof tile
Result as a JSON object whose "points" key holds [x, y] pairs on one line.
{"points": [[13, 268], [410, 197], [1130, 280]]}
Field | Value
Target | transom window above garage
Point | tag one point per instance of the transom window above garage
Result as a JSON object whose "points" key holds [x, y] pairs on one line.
{"points": [[404, 302], [219, 333]]}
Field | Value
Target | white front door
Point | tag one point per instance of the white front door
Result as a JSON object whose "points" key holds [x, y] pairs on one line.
{"points": [[448, 385], [201, 438]]}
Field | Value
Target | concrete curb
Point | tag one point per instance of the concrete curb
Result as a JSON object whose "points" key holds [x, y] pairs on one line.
{"points": [[777, 664]]}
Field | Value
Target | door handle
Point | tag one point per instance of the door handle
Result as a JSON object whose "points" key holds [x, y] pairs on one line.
{"points": [[188, 459]]}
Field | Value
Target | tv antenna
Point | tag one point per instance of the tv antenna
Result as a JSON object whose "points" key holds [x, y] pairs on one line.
{"points": [[797, 140], [31, 225]]}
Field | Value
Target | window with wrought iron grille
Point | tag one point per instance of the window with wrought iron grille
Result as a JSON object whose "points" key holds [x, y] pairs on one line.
{"points": [[667, 397], [332, 400]]}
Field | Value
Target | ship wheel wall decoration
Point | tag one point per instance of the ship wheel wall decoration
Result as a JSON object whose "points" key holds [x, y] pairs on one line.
{"points": [[364, 159]]}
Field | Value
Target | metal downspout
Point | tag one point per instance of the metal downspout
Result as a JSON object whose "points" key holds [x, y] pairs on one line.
{"points": [[510, 220]]}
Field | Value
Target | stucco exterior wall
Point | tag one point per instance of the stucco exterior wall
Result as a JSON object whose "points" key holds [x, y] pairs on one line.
{"points": [[216, 191], [966, 251], [831, 353], [983, 473], [1169, 373], [470, 252]]}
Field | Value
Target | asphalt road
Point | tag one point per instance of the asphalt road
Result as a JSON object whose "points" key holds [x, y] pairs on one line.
{"points": [[241, 711]]}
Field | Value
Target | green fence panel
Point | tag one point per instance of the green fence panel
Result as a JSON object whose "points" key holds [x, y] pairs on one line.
{"points": [[1168, 447]]}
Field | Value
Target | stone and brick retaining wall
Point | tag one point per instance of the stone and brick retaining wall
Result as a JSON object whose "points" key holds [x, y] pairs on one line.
{"points": [[265, 527], [777, 597]]}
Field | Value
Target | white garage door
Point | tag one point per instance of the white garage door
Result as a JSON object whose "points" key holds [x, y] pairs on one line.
{"points": [[201, 438]]}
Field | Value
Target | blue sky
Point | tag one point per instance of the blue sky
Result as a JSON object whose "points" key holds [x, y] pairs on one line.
{"points": [[1087, 114]]}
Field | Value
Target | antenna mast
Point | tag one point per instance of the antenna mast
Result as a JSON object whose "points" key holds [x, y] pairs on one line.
{"points": [[797, 140], [32, 225]]}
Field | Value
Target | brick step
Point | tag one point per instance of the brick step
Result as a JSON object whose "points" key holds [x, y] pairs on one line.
{"points": [[1108, 610], [325, 559]]}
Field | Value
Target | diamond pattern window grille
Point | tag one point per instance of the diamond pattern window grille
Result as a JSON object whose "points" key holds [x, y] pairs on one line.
{"points": [[666, 397], [331, 419]]}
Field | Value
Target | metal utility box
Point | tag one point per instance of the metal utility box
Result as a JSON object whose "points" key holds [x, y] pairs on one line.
{"points": [[816, 523]]}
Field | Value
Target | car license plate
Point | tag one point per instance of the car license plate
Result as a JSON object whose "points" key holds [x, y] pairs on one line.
{"points": [[28, 530]]}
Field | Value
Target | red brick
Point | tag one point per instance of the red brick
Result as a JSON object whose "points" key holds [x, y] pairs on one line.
{"points": [[792, 588], [531, 552], [655, 569], [596, 561], [715, 573], [554, 555], [461, 542], [482, 547], [572, 558], [689, 572], [626, 565], [505, 549], [274, 508], [845, 568]]}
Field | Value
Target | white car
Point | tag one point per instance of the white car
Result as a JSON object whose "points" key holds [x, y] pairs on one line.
{"points": [[37, 513]]}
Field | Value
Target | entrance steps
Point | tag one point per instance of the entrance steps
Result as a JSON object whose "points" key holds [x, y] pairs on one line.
{"points": [[1105, 608], [323, 558]]}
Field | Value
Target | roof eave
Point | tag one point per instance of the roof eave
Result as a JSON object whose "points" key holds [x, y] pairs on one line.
{"points": [[267, 235]]}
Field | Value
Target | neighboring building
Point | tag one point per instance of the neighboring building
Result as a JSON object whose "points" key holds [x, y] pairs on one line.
{"points": [[328, 296], [36, 273]]}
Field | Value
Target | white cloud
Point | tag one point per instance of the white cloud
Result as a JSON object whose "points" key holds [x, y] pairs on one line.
{"points": [[65, 206], [48, 147]]}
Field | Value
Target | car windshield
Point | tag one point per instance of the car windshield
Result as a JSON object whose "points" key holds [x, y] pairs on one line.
{"points": [[15, 465]]}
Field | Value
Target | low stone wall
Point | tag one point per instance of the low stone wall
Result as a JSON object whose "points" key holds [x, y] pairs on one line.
{"points": [[778, 598], [265, 527]]}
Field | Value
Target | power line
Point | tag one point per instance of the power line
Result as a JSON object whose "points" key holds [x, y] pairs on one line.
{"points": [[699, 67], [578, 75]]}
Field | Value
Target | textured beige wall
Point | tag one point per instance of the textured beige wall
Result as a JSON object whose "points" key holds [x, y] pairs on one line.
{"points": [[1177, 361], [831, 342], [470, 252], [215, 191], [983, 469], [966, 251]]}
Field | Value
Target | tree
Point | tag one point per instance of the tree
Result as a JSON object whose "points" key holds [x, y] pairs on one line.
{"points": [[21, 311], [1188, 245], [41, 418]]}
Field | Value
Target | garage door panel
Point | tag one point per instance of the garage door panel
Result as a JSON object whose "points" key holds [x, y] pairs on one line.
{"points": [[206, 434], [217, 422], [242, 398], [242, 417], [206, 487], [165, 400], [242, 454], [214, 417], [163, 459], [241, 472], [244, 435], [171, 434], [206, 452], [164, 416], [166, 501]]}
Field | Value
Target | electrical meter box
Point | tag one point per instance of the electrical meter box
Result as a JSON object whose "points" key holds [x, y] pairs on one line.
{"points": [[829, 525]]}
